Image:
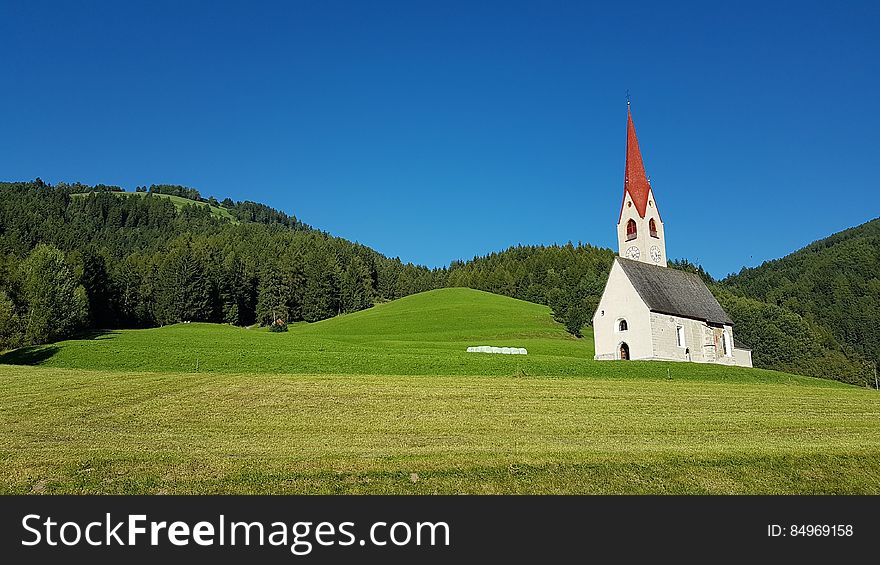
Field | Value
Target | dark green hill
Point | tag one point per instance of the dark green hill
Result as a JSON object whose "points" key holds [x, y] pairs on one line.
{"points": [[832, 283], [168, 256]]}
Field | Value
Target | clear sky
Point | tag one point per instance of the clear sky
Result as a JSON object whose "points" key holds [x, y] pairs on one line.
{"points": [[441, 130]]}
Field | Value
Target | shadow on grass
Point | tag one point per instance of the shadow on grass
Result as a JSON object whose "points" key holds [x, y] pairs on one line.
{"points": [[39, 354], [33, 355], [94, 335]]}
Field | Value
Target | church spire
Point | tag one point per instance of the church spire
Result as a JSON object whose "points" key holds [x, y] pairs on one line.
{"points": [[635, 181], [640, 233]]}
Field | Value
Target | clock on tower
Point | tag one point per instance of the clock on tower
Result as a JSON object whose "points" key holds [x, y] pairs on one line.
{"points": [[633, 253]]}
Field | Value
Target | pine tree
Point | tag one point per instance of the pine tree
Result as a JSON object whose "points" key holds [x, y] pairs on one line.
{"points": [[321, 293], [184, 289], [237, 299], [356, 292], [98, 286], [272, 296]]}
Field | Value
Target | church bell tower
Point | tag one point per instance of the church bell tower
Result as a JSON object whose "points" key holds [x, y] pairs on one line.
{"points": [[639, 229]]}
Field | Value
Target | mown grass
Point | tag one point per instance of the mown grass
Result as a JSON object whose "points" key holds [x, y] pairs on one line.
{"points": [[73, 431], [388, 401]]}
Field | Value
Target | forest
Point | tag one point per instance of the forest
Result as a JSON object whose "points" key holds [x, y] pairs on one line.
{"points": [[832, 285], [105, 261], [101, 260]]}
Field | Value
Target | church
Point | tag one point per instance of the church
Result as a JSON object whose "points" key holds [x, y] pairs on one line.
{"points": [[648, 311]]}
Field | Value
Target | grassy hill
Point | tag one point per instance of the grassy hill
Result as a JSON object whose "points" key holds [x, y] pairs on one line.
{"points": [[178, 201], [421, 334], [387, 401]]}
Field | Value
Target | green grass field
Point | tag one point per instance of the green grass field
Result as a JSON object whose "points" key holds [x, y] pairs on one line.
{"points": [[388, 401], [178, 201]]}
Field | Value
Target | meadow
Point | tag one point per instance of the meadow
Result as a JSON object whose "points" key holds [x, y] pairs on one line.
{"points": [[178, 201], [387, 401]]}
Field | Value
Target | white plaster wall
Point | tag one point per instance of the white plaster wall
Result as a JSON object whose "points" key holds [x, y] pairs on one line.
{"points": [[643, 241], [742, 357], [730, 358], [621, 301]]}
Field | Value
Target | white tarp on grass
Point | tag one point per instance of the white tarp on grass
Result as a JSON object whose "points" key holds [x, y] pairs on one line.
{"points": [[502, 350]]}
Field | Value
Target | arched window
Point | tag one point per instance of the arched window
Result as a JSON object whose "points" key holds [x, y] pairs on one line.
{"points": [[621, 326], [725, 341], [652, 227], [630, 230]]}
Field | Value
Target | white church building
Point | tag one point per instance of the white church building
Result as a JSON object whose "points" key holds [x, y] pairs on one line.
{"points": [[648, 311]]}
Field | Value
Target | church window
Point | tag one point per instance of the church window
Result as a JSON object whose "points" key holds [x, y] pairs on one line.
{"points": [[679, 335], [622, 326], [630, 230], [725, 342], [652, 227]]}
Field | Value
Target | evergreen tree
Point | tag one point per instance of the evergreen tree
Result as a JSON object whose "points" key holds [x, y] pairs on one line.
{"points": [[237, 292], [134, 278], [356, 286], [272, 297], [321, 293], [99, 291], [184, 289]]}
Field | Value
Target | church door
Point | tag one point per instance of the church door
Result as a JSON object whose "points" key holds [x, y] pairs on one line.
{"points": [[624, 352]]}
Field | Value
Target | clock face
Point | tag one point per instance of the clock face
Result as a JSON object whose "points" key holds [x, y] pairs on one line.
{"points": [[655, 254], [633, 252]]}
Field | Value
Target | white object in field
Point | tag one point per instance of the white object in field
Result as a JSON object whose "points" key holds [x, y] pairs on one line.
{"points": [[502, 350]]}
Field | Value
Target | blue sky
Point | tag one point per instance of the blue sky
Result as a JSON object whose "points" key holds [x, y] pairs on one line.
{"points": [[436, 131]]}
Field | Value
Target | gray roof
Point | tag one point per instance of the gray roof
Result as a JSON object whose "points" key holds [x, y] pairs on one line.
{"points": [[670, 291]]}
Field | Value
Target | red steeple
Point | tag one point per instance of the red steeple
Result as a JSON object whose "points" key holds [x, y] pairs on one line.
{"points": [[635, 181]]}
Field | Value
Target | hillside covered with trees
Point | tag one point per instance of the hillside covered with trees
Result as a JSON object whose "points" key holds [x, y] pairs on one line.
{"points": [[101, 260], [105, 261], [833, 284]]}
